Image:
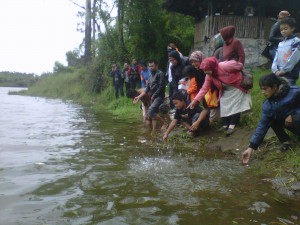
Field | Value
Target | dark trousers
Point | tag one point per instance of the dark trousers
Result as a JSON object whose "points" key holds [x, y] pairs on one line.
{"points": [[127, 86], [231, 120], [171, 92], [118, 87], [134, 83], [154, 107], [278, 127]]}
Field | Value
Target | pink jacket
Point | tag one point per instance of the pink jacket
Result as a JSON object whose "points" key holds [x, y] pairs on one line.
{"points": [[228, 73]]}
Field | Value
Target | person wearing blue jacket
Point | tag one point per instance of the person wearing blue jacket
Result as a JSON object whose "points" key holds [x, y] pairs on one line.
{"points": [[280, 111], [117, 80], [286, 62]]}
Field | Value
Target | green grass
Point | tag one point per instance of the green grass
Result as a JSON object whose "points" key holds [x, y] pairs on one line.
{"points": [[250, 119]]}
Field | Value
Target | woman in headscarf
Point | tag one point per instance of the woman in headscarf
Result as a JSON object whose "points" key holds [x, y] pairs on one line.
{"points": [[234, 99], [196, 59], [197, 76], [232, 47]]}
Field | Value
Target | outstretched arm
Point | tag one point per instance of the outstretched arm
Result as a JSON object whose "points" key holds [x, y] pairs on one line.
{"points": [[201, 117], [205, 88], [246, 155], [170, 128], [136, 99]]}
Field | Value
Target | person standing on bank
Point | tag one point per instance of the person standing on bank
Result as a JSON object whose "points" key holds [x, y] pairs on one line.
{"points": [[286, 62], [275, 35], [145, 73], [134, 74], [178, 64], [116, 75], [171, 47], [232, 47], [232, 50], [281, 110], [125, 75]]}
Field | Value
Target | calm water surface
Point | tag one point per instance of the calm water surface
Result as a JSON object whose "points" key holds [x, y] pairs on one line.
{"points": [[60, 164]]}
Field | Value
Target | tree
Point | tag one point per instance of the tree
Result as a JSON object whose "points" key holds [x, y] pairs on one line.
{"points": [[88, 33]]}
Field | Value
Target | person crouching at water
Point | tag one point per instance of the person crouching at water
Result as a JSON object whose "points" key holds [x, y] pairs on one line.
{"points": [[193, 119], [280, 110], [226, 76]]}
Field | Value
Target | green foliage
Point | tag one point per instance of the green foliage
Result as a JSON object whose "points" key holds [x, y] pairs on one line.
{"points": [[293, 158], [74, 59], [124, 108], [61, 68], [150, 29], [251, 119], [147, 30], [15, 79], [65, 85]]}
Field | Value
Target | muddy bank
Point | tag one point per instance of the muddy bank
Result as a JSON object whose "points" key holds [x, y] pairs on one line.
{"points": [[267, 160]]}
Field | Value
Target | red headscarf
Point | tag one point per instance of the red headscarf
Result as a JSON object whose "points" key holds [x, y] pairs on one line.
{"points": [[211, 64]]}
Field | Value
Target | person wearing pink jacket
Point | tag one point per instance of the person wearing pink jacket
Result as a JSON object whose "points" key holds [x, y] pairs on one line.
{"points": [[226, 76]]}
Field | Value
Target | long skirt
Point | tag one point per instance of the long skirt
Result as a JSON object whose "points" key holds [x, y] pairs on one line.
{"points": [[233, 101]]}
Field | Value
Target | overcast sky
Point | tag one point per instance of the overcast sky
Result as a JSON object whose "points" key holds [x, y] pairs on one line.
{"points": [[36, 33]]}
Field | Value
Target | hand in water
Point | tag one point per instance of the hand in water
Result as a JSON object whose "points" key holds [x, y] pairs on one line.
{"points": [[246, 155], [165, 137]]}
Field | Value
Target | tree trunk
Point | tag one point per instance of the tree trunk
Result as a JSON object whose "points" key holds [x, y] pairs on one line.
{"points": [[88, 33], [121, 29]]}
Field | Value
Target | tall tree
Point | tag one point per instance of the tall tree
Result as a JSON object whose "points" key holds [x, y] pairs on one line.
{"points": [[88, 33], [120, 23]]}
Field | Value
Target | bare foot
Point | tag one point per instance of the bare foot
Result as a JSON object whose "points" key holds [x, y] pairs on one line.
{"points": [[153, 133]]}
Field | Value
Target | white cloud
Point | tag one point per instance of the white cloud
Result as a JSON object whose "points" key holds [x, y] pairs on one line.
{"points": [[36, 33]]}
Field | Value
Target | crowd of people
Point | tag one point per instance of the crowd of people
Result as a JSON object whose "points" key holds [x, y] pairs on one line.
{"points": [[203, 89]]}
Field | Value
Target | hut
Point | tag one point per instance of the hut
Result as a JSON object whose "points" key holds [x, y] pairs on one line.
{"points": [[252, 19]]}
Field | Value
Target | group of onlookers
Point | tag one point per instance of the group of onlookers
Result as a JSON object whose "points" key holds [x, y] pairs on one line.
{"points": [[133, 76], [201, 88]]}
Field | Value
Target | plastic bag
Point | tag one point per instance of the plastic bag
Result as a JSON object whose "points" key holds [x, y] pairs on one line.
{"points": [[211, 98]]}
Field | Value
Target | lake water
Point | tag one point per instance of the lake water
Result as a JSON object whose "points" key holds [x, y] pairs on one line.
{"points": [[61, 164]]}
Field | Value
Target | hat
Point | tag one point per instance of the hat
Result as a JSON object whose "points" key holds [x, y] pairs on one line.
{"points": [[196, 56], [283, 14]]}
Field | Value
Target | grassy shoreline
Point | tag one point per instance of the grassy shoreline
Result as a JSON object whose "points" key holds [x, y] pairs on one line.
{"points": [[74, 86]]}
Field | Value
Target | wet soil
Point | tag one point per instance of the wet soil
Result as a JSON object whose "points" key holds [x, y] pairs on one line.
{"points": [[286, 180]]}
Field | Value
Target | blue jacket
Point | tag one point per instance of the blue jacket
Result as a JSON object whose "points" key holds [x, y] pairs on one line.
{"points": [[287, 58], [276, 109], [116, 77]]}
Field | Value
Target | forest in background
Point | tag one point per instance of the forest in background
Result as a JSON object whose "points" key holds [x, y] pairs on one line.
{"points": [[16, 79], [137, 29]]}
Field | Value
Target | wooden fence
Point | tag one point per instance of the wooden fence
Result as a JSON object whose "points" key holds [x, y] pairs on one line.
{"points": [[253, 27]]}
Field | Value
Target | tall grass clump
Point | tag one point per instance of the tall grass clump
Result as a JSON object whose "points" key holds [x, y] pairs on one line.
{"points": [[124, 107], [251, 118]]}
